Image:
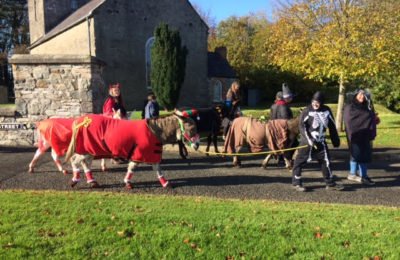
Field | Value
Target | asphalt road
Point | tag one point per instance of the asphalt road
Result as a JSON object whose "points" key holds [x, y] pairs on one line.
{"points": [[213, 177]]}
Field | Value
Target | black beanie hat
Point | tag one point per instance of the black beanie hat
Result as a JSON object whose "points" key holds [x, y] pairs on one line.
{"points": [[318, 96]]}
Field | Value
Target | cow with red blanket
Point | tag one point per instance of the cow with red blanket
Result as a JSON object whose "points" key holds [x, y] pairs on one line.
{"points": [[96, 136]]}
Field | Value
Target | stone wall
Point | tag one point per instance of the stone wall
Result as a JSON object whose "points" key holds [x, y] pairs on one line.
{"points": [[51, 86], [11, 133]]}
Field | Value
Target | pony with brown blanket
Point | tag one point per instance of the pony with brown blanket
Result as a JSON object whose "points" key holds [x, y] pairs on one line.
{"points": [[275, 135], [96, 136]]}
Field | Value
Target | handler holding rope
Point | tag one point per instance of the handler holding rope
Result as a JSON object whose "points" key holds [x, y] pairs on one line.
{"points": [[314, 120]]}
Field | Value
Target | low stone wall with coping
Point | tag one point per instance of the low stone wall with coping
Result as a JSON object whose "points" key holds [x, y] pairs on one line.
{"points": [[49, 86]]}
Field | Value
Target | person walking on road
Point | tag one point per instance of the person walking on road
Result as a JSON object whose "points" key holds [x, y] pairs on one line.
{"points": [[360, 122], [314, 120]]}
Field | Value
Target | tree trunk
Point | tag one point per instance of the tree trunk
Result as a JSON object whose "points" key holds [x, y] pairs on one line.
{"points": [[339, 112]]}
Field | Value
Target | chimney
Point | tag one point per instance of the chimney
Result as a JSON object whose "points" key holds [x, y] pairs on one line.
{"points": [[44, 15], [221, 51], [36, 19]]}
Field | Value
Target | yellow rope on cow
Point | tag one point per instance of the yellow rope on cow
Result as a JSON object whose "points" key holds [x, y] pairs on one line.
{"points": [[86, 122], [251, 154], [71, 147]]}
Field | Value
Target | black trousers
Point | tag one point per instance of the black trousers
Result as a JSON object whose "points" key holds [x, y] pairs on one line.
{"points": [[320, 153]]}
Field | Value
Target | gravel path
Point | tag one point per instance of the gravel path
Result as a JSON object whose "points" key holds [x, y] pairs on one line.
{"points": [[212, 177]]}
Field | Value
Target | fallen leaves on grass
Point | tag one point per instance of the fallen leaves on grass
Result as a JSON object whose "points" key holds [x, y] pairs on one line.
{"points": [[318, 235], [126, 233], [346, 244], [192, 244], [8, 245], [376, 234]]}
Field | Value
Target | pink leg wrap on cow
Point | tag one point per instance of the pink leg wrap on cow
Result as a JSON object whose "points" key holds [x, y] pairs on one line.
{"points": [[163, 181], [89, 177], [128, 177], [76, 177]]}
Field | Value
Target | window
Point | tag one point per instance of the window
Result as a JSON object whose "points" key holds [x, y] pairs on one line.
{"points": [[74, 4], [149, 44], [217, 91]]}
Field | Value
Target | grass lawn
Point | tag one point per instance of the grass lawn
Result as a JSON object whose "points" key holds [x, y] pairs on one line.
{"points": [[71, 225]]}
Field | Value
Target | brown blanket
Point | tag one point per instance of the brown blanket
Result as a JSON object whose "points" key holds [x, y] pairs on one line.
{"points": [[277, 134], [256, 134]]}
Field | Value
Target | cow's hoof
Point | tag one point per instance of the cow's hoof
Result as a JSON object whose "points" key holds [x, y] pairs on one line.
{"points": [[264, 166], [237, 165], [128, 186], [94, 185], [73, 183], [168, 185], [31, 170], [65, 172]]}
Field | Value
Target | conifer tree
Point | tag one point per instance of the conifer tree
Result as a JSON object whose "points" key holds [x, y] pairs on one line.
{"points": [[168, 59]]}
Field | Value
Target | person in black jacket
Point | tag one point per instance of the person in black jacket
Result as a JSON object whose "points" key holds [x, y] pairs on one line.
{"points": [[360, 123], [280, 109], [314, 120]]}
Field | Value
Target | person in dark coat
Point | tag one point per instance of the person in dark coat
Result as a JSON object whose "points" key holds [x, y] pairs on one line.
{"points": [[315, 119], [281, 110], [360, 123]]}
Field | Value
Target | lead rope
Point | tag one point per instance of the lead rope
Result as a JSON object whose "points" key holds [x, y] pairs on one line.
{"points": [[72, 145], [183, 137], [252, 154]]}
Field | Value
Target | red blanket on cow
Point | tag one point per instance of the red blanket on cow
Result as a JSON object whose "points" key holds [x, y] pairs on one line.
{"points": [[58, 132], [104, 137]]}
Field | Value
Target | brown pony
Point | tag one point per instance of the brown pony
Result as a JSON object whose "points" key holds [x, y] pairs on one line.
{"points": [[140, 141], [275, 135]]}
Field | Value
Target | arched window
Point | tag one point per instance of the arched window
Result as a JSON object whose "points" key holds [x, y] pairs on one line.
{"points": [[217, 91], [149, 44]]}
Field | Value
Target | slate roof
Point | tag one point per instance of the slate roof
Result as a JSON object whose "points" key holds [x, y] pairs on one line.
{"points": [[75, 18], [219, 67]]}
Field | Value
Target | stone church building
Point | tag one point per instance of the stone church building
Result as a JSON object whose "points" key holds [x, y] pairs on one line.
{"points": [[120, 34], [79, 47]]}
